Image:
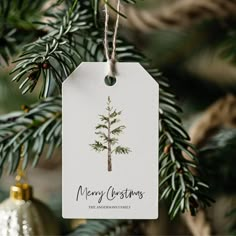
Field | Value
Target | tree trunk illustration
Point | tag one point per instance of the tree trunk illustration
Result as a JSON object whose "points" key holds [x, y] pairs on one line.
{"points": [[109, 142], [108, 131], [109, 163]]}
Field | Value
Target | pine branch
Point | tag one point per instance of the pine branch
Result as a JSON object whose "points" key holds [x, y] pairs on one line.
{"points": [[178, 161], [113, 141], [55, 55], [103, 118], [118, 130], [102, 135], [121, 150], [103, 227], [101, 126], [115, 114], [98, 146], [114, 121], [34, 129], [16, 20]]}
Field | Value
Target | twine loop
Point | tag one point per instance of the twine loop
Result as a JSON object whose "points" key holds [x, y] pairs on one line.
{"points": [[111, 60]]}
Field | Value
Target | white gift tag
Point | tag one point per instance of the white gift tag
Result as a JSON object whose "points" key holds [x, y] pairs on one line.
{"points": [[110, 143]]}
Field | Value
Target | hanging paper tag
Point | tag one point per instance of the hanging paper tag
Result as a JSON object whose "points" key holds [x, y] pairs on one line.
{"points": [[110, 143]]}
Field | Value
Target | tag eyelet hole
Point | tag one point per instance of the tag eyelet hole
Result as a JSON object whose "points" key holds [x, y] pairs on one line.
{"points": [[109, 80]]}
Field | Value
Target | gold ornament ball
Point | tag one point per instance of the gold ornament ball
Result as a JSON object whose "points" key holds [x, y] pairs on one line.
{"points": [[23, 215]]}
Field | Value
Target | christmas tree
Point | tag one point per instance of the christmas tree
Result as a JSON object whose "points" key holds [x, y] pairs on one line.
{"points": [[109, 139], [192, 42]]}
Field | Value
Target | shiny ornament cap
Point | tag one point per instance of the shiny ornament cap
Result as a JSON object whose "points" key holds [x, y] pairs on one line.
{"points": [[21, 191]]}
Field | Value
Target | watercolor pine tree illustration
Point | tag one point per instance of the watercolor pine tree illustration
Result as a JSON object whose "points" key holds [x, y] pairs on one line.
{"points": [[108, 131]]}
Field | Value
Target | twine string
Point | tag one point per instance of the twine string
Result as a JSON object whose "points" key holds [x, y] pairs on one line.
{"points": [[106, 46], [111, 60]]}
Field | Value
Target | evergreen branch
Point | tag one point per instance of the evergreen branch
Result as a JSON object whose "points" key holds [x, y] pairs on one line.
{"points": [[34, 129], [98, 146], [113, 141], [104, 118], [118, 130], [114, 121], [121, 150], [55, 55], [178, 160], [102, 135], [11, 8], [115, 113], [103, 227], [15, 21], [101, 126]]}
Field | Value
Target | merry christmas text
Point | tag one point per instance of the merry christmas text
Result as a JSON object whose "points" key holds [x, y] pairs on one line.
{"points": [[110, 194]]}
